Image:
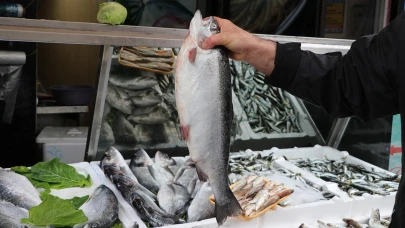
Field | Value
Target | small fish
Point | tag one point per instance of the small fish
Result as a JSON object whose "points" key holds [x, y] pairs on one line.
{"points": [[353, 223], [149, 52], [258, 184], [239, 185], [101, 209], [18, 190], [11, 215], [375, 217], [124, 54], [249, 209], [163, 161], [240, 194], [172, 197], [187, 176], [200, 207], [144, 98], [157, 116], [272, 200], [150, 65], [133, 82]]}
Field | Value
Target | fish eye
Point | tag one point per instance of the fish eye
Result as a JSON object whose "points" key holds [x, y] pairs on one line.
{"points": [[214, 26]]}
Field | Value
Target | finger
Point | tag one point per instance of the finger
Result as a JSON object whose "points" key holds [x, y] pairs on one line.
{"points": [[223, 39]]}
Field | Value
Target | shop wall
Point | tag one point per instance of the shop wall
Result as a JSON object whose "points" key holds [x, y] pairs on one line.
{"points": [[66, 63]]}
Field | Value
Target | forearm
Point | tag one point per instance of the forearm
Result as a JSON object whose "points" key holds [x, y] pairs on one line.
{"points": [[363, 83]]}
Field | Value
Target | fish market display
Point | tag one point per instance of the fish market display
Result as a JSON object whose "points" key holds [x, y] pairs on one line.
{"points": [[204, 104], [11, 215], [255, 194], [354, 179], [163, 190], [268, 110], [101, 208], [18, 190], [248, 162], [152, 59], [136, 111], [375, 221]]}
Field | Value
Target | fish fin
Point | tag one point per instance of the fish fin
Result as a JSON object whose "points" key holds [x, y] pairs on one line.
{"points": [[232, 208], [201, 175], [192, 54], [184, 132]]}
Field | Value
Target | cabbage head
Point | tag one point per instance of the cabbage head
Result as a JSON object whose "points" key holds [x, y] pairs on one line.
{"points": [[111, 13]]}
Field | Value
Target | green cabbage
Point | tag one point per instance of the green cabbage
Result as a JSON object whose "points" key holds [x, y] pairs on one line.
{"points": [[111, 13]]}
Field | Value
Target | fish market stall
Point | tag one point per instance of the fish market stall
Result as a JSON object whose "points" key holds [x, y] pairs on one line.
{"points": [[135, 147]]}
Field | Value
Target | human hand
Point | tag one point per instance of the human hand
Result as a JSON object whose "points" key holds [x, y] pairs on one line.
{"points": [[243, 46]]}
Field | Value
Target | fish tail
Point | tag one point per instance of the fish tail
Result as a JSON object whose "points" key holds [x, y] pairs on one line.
{"points": [[232, 208]]}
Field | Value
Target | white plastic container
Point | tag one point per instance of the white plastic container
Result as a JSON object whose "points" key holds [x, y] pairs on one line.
{"points": [[66, 143]]}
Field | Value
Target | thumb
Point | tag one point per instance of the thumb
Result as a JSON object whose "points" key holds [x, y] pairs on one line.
{"points": [[215, 40]]}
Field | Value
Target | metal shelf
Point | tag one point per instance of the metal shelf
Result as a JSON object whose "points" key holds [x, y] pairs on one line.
{"points": [[51, 31], [62, 109]]}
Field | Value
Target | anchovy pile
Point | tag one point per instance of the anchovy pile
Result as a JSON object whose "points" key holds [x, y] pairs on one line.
{"points": [[254, 194], [267, 108], [375, 221], [354, 179]]}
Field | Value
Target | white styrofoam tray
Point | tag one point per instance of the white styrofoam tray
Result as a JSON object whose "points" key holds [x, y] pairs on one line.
{"points": [[85, 169]]}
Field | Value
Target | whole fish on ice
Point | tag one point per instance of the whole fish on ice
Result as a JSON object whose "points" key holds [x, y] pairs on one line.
{"points": [[18, 190], [204, 104], [101, 208]]}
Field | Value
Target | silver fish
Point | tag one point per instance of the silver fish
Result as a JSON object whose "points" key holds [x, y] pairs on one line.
{"points": [[204, 104], [112, 157], [101, 209], [18, 190], [142, 157], [148, 213], [187, 176], [140, 167], [162, 162], [144, 98], [133, 82], [172, 197], [375, 217], [158, 115], [11, 215], [201, 208], [144, 134], [129, 188], [118, 99]]}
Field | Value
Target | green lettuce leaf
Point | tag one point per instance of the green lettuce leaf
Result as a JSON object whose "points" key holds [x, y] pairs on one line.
{"points": [[78, 201], [56, 212], [118, 225], [21, 169], [59, 175]]}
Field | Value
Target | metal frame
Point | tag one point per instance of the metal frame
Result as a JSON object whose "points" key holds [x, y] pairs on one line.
{"points": [[337, 132], [48, 31], [99, 105]]}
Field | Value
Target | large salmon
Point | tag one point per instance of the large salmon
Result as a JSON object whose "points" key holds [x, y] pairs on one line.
{"points": [[204, 104]]}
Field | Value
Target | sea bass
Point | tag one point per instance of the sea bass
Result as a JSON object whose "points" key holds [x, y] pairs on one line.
{"points": [[101, 208], [18, 190], [11, 215], [204, 104]]}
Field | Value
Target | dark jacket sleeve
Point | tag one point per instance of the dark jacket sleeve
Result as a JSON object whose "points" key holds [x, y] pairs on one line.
{"points": [[362, 83]]}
